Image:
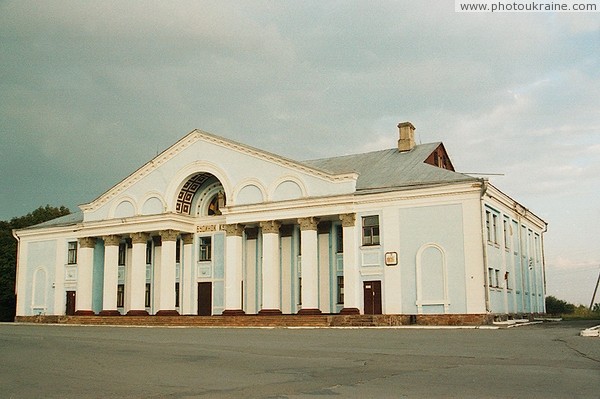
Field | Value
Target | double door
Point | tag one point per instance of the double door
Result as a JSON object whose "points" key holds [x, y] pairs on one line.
{"points": [[372, 297]]}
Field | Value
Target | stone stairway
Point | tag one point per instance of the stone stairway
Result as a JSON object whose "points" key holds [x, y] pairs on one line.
{"points": [[256, 321]]}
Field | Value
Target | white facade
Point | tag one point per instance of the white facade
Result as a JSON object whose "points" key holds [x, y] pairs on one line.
{"points": [[214, 227]]}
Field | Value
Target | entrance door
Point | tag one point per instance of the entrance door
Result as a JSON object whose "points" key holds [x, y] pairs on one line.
{"points": [[70, 311], [372, 294], [204, 299]]}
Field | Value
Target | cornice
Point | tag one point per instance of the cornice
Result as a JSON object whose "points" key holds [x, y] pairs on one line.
{"points": [[494, 193]]}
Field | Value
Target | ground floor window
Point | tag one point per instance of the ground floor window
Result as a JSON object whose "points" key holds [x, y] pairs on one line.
{"points": [[147, 296], [176, 295], [340, 289], [120, 295]]}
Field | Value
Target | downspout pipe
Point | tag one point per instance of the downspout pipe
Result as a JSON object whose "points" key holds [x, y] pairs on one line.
{"points": [[16, 236], [544, 263], [484, 187]]}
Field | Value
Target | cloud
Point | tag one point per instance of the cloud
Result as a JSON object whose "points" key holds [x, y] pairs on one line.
{"points": [[84, 83]]}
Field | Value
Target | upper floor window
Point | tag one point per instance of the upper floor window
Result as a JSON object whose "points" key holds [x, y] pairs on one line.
{"points": [[178, 251], [491, 224], [339, 238], [72, 253], [149, 253], [506, 226], [122, 253], [205, 249], [370, 228]]}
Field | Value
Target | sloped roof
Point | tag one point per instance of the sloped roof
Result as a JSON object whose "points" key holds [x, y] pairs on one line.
{"points": [[67, 220], [391, 168]]}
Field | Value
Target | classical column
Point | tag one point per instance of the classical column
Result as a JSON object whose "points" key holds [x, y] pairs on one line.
{"points": [[85, 263], [310, 266], [233, 270], [351, 280], [137, 286], [167, 273], [271, 276], [185, 276], [111, 276]]}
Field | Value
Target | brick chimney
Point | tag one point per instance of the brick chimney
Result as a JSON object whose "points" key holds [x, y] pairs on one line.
{"points": [[407, 137]]}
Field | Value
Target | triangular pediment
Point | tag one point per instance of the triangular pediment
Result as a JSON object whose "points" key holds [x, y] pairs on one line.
{"points": [[233, 163]]}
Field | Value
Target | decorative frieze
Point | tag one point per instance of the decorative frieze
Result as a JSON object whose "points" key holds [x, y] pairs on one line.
{"points": [[207, 228], [348, 219], [234, 229], [270, 227]]}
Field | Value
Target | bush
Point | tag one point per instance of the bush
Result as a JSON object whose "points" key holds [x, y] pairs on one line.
{"points": [[557, 306]]}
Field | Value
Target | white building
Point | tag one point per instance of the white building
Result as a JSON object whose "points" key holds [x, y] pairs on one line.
{"points": [[211, 227]]}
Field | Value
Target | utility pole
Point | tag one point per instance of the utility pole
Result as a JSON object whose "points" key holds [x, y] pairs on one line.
{"points": [[595, 289]]}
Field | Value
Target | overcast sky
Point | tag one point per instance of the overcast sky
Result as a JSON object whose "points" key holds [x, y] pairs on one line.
{"points": [[90, 91]]}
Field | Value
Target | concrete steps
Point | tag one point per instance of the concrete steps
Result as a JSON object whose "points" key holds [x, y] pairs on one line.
{"points": [[256, 321]]}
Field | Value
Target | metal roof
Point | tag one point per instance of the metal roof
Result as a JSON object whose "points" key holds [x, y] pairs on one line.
{"points": [[391, 168], [67, 220]]}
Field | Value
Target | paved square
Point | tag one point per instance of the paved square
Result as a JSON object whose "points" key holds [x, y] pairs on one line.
{"points": [[537, 361]]}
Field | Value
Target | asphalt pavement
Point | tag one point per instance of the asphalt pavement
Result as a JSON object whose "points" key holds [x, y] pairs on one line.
{"points": [[547, 360]]}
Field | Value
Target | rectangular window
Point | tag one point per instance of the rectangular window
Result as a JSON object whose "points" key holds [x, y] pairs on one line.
{"points": [[370, 226], [506, 280], [491, 277], [506, 234], [495, 228], [72, 253], [178, 251], [340, 289], [205, 249], [149, 253], [176, 295], [339, 236], [147, 296], [120, 295], [488, 217], [122, 253], [497, 277], [299, 290]]}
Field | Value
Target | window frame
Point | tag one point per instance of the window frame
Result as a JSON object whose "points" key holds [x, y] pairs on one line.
{"points": [[371, 232], [205, 249], [120, 295], [72, 253], [122, 254], [148, 295], [340, 290]]}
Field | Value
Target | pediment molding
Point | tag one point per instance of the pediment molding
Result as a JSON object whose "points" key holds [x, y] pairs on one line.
{"points": [[199, 135]]}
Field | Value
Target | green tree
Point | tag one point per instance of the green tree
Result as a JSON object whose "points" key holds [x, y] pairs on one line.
{"points": [[8, 253], [557, 306]]}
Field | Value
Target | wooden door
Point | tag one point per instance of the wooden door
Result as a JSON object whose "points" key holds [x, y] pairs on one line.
{"points": [[70, 311], [372, 295], [204, 299]]}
